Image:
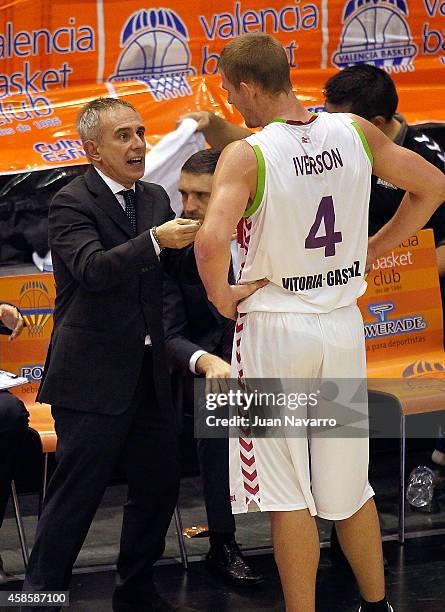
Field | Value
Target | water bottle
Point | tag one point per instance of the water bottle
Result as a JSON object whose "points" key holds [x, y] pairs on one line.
{"points": [[420, 487], [47, 263]]}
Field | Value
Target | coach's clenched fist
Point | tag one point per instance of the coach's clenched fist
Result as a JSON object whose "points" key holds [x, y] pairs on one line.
{"points": [[177, 233]]}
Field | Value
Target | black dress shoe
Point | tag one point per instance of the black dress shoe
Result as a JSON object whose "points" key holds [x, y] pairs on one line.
{"points": [[227, 562]]}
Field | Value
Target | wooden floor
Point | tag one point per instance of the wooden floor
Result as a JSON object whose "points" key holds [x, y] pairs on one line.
{"points": [[415, 583]]}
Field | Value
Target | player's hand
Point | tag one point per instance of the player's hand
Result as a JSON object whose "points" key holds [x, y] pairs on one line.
{"points": [[216, 371], [202, 117], [212, 366], [228, 306], [12, 319], [177, 233]]}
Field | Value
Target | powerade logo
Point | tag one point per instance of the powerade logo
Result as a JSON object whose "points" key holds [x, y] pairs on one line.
{"points": [[376, 32], [388, 327], [156, 52]]}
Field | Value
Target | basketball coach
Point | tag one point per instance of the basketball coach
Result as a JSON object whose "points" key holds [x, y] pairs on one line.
{"points": [[106, 374]]}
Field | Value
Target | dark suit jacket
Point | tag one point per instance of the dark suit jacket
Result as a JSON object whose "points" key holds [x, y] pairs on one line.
{"points": [[191, 322], [109, 296]]}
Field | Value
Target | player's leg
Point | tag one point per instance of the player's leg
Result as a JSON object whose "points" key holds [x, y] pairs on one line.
{"points": [[340, 463], [342, 494], [282, 463], [297, 554], [360, 539]]}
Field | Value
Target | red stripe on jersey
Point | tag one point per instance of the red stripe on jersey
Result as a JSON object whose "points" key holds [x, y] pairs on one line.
{"points": [[293, 122]]}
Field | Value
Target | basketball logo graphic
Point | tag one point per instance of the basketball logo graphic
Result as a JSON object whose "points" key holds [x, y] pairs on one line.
{"points": [[35, 306], [420, 369], [376, 32], [425, 376], [156, 52]]}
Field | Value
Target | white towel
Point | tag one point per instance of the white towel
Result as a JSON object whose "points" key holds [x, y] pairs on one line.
{"points": [[164, 162]]}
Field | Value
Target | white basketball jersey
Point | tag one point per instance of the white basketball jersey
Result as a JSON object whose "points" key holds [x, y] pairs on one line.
{"points": [[307, 228]]}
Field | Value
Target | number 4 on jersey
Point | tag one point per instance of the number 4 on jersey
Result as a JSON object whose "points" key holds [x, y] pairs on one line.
{"points": [[325, 213]]}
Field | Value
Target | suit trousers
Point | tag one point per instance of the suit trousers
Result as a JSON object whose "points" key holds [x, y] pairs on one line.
{"points": [[144, 441], [213, 457], [13, 428]]}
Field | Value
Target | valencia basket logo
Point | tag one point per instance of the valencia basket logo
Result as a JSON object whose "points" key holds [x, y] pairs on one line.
{"points": [[155, 51], [35, 307], [376, 32]]}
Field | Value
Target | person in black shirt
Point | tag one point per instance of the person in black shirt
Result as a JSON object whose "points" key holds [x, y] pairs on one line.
{"points": [[370, 92]]}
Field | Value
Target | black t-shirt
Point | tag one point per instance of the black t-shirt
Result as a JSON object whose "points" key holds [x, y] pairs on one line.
{"points": [[385, 198]]}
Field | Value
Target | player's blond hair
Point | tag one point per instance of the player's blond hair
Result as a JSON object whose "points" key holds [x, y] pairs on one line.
{"points": [[258, 58]]}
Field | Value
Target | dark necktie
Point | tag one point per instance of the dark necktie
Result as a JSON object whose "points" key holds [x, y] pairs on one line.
{"points": [[130, 208]]}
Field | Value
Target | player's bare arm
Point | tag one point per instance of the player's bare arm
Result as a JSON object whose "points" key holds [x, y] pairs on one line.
{"points": [[423, 182], [217, 131], [234, 186]]}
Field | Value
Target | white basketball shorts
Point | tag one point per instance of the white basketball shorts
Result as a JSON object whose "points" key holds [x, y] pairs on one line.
{"points": [[327, 475]]}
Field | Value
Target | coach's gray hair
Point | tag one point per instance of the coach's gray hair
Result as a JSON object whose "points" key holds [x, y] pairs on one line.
{"points": [[89, 122]]}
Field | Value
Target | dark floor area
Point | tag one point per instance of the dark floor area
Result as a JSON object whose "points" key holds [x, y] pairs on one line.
{"points": [[416, 570], [414, 580]]}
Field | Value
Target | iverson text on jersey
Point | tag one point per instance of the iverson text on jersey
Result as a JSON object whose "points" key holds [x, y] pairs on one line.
{"points": [[326, 160]]}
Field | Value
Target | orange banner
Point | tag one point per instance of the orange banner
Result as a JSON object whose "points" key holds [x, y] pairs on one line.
{"points": [[55, 55], [402, 312]]}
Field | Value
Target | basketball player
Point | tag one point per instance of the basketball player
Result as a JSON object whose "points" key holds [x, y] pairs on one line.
{"points": [[299, 192]]}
